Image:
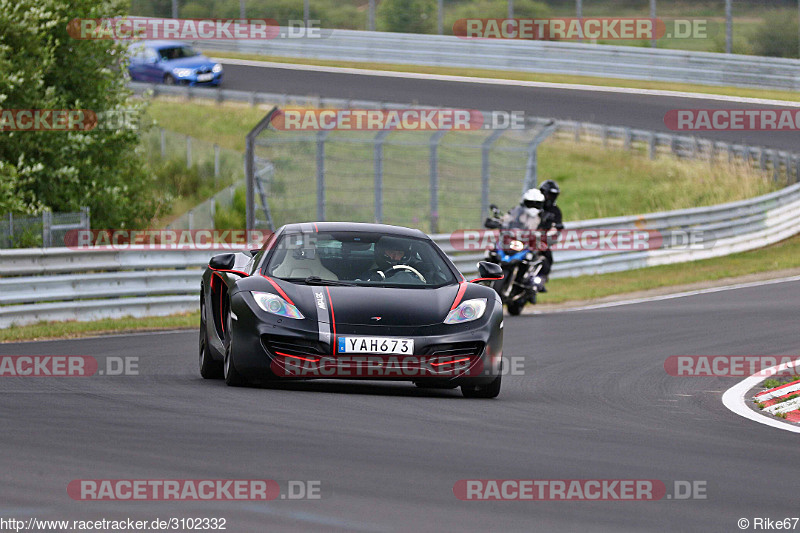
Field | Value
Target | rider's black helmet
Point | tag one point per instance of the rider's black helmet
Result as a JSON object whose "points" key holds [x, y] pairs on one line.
{"points": [[550, 190]]}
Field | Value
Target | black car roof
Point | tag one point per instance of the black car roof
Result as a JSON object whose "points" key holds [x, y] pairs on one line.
{"points": [[384, 229]]}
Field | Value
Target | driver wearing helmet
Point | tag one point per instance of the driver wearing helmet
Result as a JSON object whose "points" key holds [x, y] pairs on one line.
{"points": [[390, 252], [550, 225]]}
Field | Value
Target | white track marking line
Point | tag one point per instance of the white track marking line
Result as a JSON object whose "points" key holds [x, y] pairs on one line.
{"points": [[502, 81], [108, 336], [675, 295], [734, 398]]}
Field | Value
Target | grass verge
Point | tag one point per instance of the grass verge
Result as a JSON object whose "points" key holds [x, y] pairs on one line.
{"points": [[68, 330], [789, 96], [779, 256]]}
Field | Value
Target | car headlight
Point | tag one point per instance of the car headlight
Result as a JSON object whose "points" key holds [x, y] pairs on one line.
{"points": [[467, 311], [272, 303], [183, 72], [217, 68]]}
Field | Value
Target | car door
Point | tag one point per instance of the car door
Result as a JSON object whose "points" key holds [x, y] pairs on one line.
{"points": [[151, 66]]}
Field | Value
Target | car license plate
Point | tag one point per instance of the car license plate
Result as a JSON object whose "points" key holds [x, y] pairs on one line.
{"points": [[205, 77], [376, 345]]}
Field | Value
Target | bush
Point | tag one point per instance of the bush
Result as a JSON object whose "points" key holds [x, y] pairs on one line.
{"points": [[777, 36], [233, 217], [407, 16]]}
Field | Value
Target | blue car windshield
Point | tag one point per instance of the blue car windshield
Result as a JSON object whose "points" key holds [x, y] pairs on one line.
{"points": [[177, 52]]}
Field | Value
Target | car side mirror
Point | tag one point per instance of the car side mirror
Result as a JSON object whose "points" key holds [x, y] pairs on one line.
{"points": [[487, 270], [222, 262]]}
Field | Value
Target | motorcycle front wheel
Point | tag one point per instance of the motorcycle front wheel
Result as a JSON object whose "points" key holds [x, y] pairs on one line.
{"points": [[515, 307]]}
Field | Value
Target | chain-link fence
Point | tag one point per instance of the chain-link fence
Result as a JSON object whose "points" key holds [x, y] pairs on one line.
{"points": [[435, 181], [220, 171], [213, 161], [45, 230], [204, 215]]}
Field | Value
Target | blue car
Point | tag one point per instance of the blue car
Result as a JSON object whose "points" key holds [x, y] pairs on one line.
{"points": [[172, 62]]}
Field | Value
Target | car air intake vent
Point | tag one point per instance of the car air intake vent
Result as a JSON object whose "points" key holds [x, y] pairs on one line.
{"points": [[291, 346], [456, 348]]}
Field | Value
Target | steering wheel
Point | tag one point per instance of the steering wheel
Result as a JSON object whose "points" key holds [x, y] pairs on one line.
{"points": [[408, 268]]}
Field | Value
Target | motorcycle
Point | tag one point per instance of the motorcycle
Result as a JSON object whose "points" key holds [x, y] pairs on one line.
{"points": [[521, 265]]}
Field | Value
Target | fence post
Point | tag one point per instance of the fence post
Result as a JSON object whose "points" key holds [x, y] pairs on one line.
{"points": [[213, 210], [321, 175], [577, 132], [85, 220], [11, 228], [163, 143], [651, 145], [378, 163], [486, 146], [47, 222], [532, 165], [191, 219], [627, 139], [216, 163], [797, 171], [188, 151], [434, 178]]}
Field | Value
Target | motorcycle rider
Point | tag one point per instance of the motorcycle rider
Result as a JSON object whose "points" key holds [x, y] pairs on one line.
{"points": [[550, 226], [526, 214]]}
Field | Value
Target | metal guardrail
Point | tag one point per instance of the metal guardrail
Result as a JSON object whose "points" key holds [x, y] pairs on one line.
{"points": [[627, 62], [102, 283]]}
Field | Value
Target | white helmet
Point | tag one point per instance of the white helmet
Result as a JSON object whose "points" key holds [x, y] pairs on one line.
{"points": [[533, 199]]}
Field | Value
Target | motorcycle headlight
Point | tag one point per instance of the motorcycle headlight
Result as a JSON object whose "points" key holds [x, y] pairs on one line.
{"points": [[272, 303], [217, 68], [182, 72], [517, 246], [467, 311]]}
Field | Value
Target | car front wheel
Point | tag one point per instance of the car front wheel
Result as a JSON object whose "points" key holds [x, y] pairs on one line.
{"points": [[490, 390]]}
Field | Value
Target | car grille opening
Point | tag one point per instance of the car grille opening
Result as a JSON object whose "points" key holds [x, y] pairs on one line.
{"points": [[455, 348], [292, 346]]}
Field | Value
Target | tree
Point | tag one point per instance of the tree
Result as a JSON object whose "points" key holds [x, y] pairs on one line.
{"points": [[44, 68]]}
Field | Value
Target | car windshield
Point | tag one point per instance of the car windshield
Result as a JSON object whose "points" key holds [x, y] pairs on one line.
{"points": [[359, 259], [177, 52]]}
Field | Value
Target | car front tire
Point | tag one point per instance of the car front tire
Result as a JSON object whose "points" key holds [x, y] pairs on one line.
{"points": [[490, 390], [209, 368]]}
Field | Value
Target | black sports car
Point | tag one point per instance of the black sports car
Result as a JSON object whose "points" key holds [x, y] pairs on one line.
{"points": [[335, 300]]}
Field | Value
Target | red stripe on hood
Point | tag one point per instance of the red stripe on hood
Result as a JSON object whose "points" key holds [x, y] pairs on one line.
{"points": [[278, 288], [462, 288]]}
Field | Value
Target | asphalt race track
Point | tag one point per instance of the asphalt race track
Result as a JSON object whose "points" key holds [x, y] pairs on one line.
{"points": [[602, 107], [594, 403]]}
